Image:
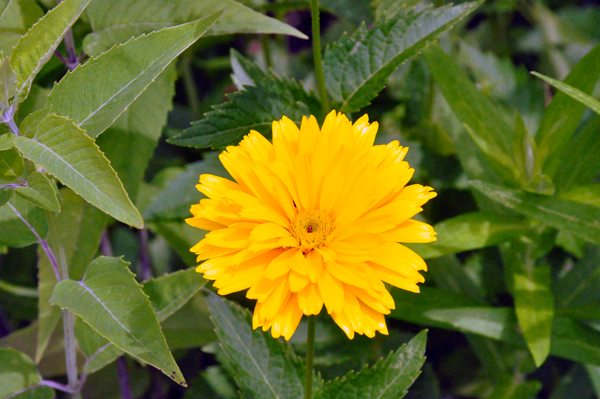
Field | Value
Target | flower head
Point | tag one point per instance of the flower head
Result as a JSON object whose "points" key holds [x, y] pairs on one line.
{"points": [[313, 219]]}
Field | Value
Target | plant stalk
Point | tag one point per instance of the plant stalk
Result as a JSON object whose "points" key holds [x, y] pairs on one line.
{"points": [[310, 353], [124, 384], [316, 39], [145, 267]]}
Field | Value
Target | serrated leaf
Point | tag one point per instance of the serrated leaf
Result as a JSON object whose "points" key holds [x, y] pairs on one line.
{"points": [[114, 304], [472, 231], [357, 67], [36, 47], [17, 373], [488, 128], [40, 191], [11, 165], [173, 203], [387, 379], [563, 115], [94, 104], [534, 302], [254, 108], [580, 219], [66, 152], [13, 231], [74, 239], [262, 366]]}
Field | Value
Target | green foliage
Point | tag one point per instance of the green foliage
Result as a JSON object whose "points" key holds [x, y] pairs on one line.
{"points": [[269, 98], [17, 372], [66, 152], [15, 217], [280, 374], [389, 378], [357, 67], [40, 191], [110, 301], [95, 107]]}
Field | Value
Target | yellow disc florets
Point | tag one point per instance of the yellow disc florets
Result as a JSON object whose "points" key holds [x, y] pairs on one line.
{"points": [[311, 229]]}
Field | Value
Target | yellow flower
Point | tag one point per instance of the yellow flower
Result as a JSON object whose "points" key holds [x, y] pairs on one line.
{"points": [[313, 219]]}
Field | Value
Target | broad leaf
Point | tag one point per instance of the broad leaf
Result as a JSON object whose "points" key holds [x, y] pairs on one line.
{"points": [[580, 219], [357, 67], [94, 104], [488, 129], [74, 239], [389, 378], [13, 230], [5, 195], [472, 231], [11, 165], [254, 108], [139, 127], [17, 373], [36, 47], [66, 152], [6, 141], [40, 191], [534, 302], [262, 366], [3, 7], [114, 304], [173, 203], [563, 115]]}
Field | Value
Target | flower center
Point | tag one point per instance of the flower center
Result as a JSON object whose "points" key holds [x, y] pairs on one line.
{"points": [[311, 229]]}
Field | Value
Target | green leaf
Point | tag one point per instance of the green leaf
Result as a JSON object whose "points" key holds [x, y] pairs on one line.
{"points": [[17, 373], [13, 231], [534, 302], [40, 191], [256, 108], [357, 67], [5, 195], [589, 194], [572, 92], [389, 378], [36, 47], [66, 152], [181, 236], [114, 304], [563, 115], [581, 285], [8, 78], [3, 7], [573, 341], [94, 104], [472, 231], [583, 163], [263, 367], [6, 141], [487, 127], [173, 203], [11, 165], [139, 127], [74, 239], [577, 218]]}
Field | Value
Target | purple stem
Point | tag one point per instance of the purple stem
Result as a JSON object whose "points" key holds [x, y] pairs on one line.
{"points": [[146, 270], [4, 326], [105, 245], [46, 383], [14, 185], [124, 385], [42, 242], [62, 59]]}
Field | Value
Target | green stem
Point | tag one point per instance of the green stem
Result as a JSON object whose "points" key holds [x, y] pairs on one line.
{"points": [[266, 47], [310, 353], [316, 38], [191, 91]]}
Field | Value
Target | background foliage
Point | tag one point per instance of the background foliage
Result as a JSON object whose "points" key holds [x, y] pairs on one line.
{"points": [[121, 104]]}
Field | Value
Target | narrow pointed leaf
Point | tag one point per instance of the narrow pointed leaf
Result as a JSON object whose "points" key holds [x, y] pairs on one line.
{"points": [[114, 304], [387, 379], [254, 108], [572, 92], [40, 191], [357, 67], [534, 302], [66, 152], [582, 220], [564, 114], [472, 231], [17, 373], [94, 104], [262, 366], [36, 47]]}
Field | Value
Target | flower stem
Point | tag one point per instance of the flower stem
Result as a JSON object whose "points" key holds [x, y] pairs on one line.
{"points": [[13, 126], [316, 39], [310, 352], [124, 385]]}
